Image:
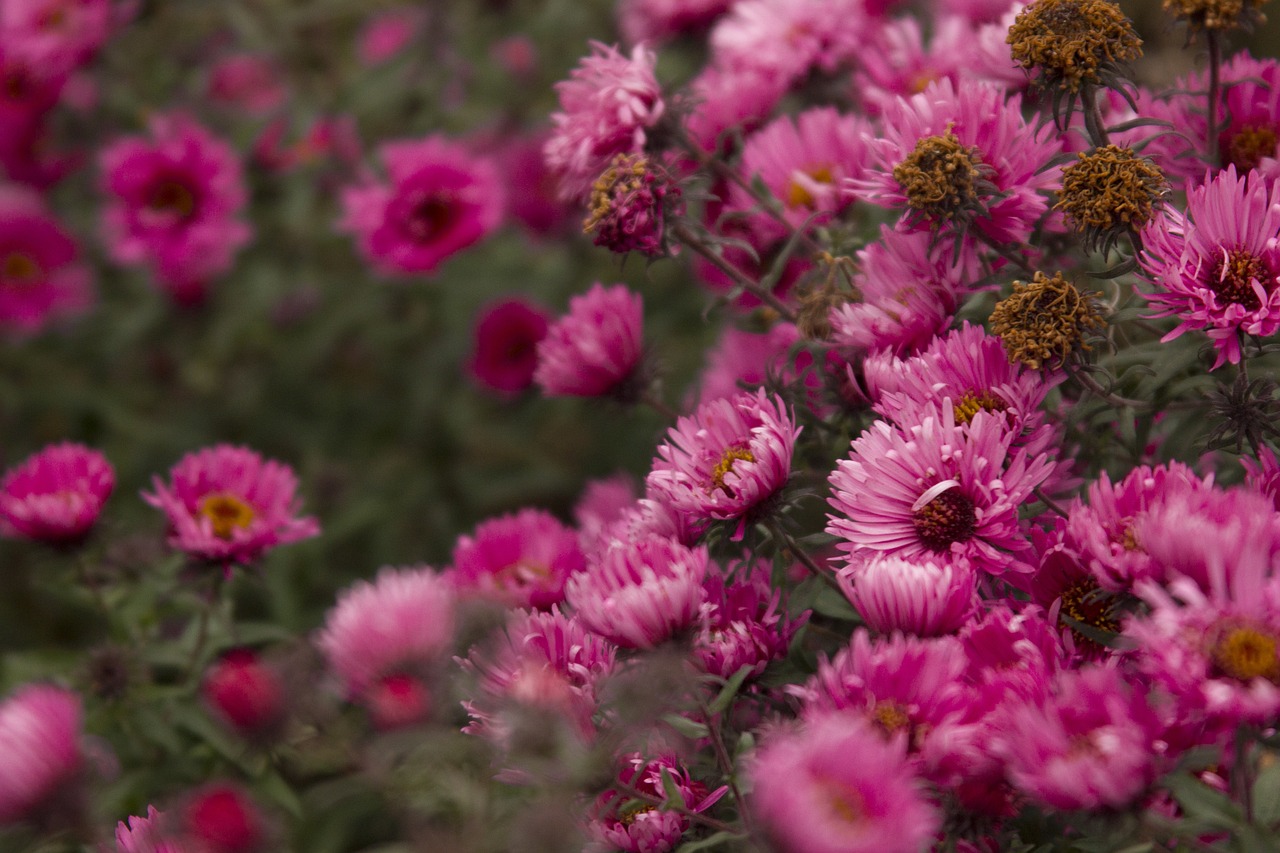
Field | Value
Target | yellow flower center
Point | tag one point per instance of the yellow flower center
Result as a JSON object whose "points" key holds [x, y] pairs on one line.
{"points": [[799, 193], [890, 717], [733, 453], [1244, 652], [19, 268], [844, 802], [977, 401], [226, 513], [521, 574], [1245, 148]]}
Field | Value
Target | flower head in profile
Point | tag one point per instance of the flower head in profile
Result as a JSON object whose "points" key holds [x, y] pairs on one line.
{"points": [[595, 349], [41, 274], [927, 597], [520, 560], [743, 621], [175, 203], [146, 834], [229, 505], [728, 459], [621, 823], [812, 798], [40, 733], [438, 199], [505, 353], [56, 495]]}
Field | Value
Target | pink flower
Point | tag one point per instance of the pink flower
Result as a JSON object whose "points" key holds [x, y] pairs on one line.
{"points": [[639, 594], [227, 504], [607, 105], [743, 622], [601, 503], [175, 203], [222, 818], [146, 835], [727, 459], [659, 20], [926, 597], [936, 489], [646, 828], [743, 359], [532, 195], [505, 351], [245, 693], [595, 349], [40, 733], [60, 35], [1264, 474], [57, 494], [41, 274], [385, 35], [786, 39], [520, 560], [440, 200], [836, 786], [246, 82], [1217, 267], [402, 623], [728, 99]]}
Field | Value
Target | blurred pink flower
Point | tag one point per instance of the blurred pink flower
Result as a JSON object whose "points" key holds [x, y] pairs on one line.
{"points": [[245, 693], [60, 35], [222, 818], [595, 349], [146, 835], [175, 204], [532, 194], [787, 39], [396, 701], [247, 83], [440, 200], [386, 34], [56, 495], [646, 828], [520, 560], [228, 505], [725, 100], [41, 273], [656, 21], [40, 737], [505, 344]]}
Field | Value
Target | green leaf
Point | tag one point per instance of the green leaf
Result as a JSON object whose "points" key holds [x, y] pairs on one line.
{"points": [[670, 792], [687, 727], [1203, 803], [1266, 796], [725, 697], [711, 842]]}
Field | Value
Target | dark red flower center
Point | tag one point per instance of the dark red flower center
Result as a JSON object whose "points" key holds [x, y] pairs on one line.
{"points": [[19, 268], [1232, 277], [429, 217], [1084, 603], [1244, 146], [950, 517], [172, 196], [16, 83]]}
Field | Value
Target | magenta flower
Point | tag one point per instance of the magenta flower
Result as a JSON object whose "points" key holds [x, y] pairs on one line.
{"points": [[228, 505], [936, 489], [40, 733], [56, 495], [402, 623], [812, 798], [730, 100], [927, 597], [41, 274], [1264, 474], [440, 199], [595, 349], [247, 83], [60, 35], [386, 34], [222, 818], [607, 106], [1217, 267], [505, 352], [145, 835], [639, 594], [743, 621], [246, 693], [728, 459], [520, 560], [175, 203], [618, 823]]}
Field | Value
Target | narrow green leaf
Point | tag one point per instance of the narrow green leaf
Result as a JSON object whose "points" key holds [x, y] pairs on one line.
{"points": [[725, 698], [687, 727]]}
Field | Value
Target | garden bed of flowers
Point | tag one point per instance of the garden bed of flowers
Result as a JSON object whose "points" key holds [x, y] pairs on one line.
{"points": [[818, 426]]}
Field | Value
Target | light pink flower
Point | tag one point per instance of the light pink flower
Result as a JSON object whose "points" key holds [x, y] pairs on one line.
{"points": [[786, 39], [607, 106], [601, 503], [227, 504], [504, 353], [175, 202], [927, 597], [836, 785], [520, 560], [385, 35], [742, 360], [723, 100], [60, 35], [1217, 268], [646, 829], [40, 734], [595, 349], [146, 835], [640, 593], [57, 494], [743, 621], [402, 623], [1264, 474], [440, 199], [41, 273], [246, 82]]}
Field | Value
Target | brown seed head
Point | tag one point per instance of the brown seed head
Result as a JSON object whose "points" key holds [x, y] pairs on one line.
{"points": [[1073, 42], [1216, 14], [943, 179], [1110, 191], [1044, 320]]}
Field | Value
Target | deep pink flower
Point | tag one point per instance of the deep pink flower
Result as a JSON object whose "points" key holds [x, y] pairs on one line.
{"points": [[41, 274], [656, 21], [595, 349], [640, 593], [60, 35], [246, 82], [505, 349], [175, 203], [532, 195], [222, 818], [386, 34], [646, 828], [397, 700], [245, 693], [229, 505], [936, 488], [607, 106], [1217, 267], [1264, 474], [836, 785], [520, 560], [743, 621], [1012, 652], [440, 199], [927, 597], [56, 495], [40, 734], [727, 459], [402, 623]]}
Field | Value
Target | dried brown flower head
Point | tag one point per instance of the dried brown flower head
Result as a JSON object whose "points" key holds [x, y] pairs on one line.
{"points": [[944, 180], [1071, 43], [1216, 14], [1043, 321], [1110, 191]]}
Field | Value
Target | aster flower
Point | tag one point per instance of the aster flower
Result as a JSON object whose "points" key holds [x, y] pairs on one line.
{"points": [[40, 733], [936, 488], [621, 823], [56, 495], [1217, 268], [439, 199], [521, 560], [247, 83], [1110, 191], [60, 35], [1044, 321], [812, 798], [729, 99], [630, 205], [607, 106], [595, 349], [175, 201], [386, 34], [648, 516], [505, 349], [640, 593], [786, 39], [229, 505], [1073, 43], [222, 818], [655, 21], [1264, 474], [401, 623], [727, 459], [41, 275], [743, 621], [1013, 652], [926, 597], [145, 835], [246, 694]]}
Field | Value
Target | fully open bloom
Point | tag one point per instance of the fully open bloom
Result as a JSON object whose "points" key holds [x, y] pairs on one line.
{"points": [[229, 505], [41, 276], [175, 203], [595, 348], [57, 494], [40, 730], [505, 353], [520, 560], [439, 200], [60, 35]]}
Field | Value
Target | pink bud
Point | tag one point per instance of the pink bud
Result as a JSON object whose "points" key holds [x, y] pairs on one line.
{"points": [[245, 693]]}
